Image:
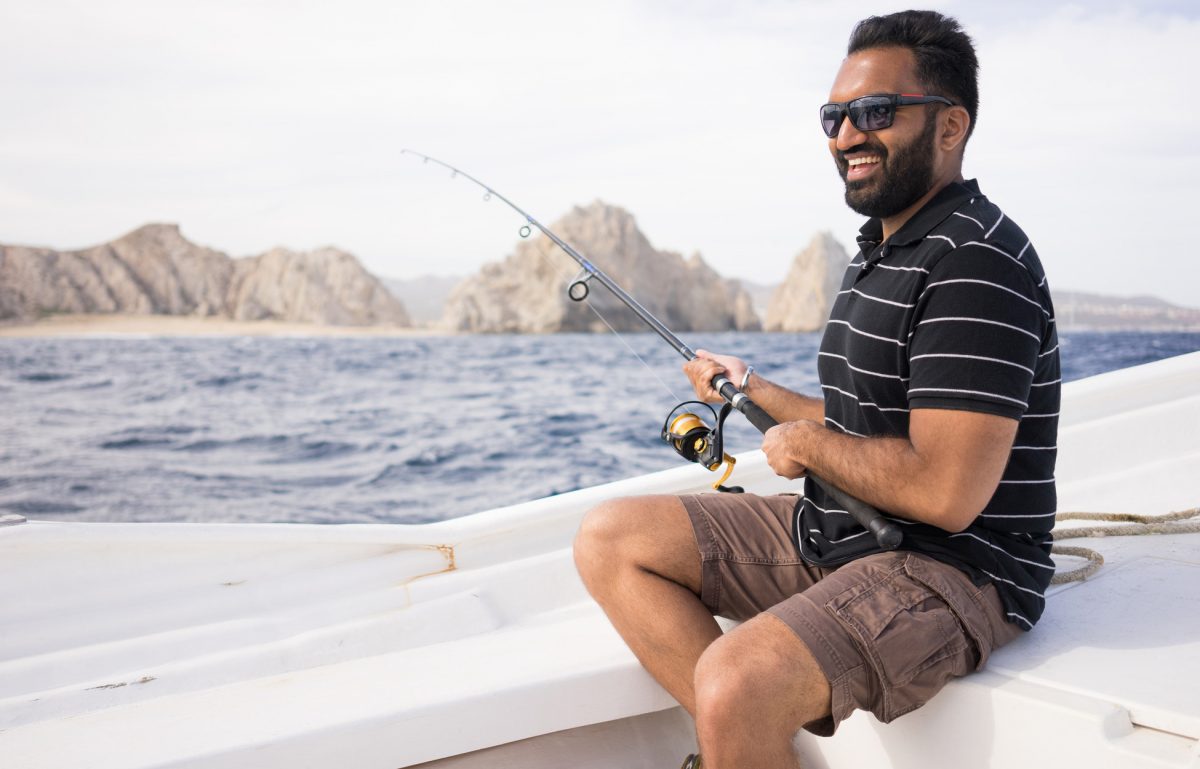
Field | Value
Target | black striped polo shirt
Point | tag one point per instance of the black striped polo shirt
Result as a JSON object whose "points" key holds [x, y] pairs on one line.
{"points": [[952, 312]]}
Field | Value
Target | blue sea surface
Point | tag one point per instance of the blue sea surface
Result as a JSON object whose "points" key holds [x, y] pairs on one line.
{"points": [[346, 430]]}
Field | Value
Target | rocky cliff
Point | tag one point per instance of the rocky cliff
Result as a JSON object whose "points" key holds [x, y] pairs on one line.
{"points": [[154, 270], [802, 302], [526, 293]]}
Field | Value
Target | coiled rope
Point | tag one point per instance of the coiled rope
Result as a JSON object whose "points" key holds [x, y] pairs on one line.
{"points": [[1171, 523]]}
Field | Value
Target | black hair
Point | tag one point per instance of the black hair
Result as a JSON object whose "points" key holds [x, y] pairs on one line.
{"points": [[946, 61]]}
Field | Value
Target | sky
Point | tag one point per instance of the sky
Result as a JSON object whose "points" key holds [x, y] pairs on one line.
{"points": [[260, 123]]}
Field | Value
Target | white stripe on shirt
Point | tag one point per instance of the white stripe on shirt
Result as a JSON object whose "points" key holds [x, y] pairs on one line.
{"points": [[985, 283], [1000, 251], [843, 539], [861, 370], [830, 511], [864, 333], [1002, 550], [843, 428], [979, 320], [972, 218], [1010, 582], [967, 392], [988, 234], [874, 298], [862, 402], [1020, 617], [972, 357], [910, 269]]}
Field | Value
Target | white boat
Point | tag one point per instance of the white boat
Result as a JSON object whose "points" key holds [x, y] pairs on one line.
{"points": [[471, 642]]}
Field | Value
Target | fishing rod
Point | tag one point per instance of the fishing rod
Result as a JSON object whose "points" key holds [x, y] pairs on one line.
{"points": [[687, 433]]}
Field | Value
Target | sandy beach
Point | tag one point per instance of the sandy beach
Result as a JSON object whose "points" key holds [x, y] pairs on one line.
{"points": [[169, 325]]}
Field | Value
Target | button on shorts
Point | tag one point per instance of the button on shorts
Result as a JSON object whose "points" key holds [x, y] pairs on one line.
{"points": [[888, 630]]}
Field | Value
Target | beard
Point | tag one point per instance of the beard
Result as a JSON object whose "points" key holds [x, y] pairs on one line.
{"points": [[905, 176]]}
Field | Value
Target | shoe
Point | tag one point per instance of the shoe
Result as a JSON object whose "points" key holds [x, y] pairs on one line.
{"points": [[691, 762]]}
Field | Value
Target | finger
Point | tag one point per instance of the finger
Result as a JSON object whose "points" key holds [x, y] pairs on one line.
{"points": [[703, 372], [701, 364]]}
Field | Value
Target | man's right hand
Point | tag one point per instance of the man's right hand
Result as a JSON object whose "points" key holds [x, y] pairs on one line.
{"points": [[706, 365]]}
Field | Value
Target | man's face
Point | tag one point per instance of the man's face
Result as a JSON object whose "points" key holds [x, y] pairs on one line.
{"points": [[888, 170]]}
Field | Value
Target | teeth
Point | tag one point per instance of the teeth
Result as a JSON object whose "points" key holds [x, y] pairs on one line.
{"points": [[859, 161]]}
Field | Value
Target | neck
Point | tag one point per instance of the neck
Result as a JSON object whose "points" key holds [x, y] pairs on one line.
{"points": [[892, 224]]}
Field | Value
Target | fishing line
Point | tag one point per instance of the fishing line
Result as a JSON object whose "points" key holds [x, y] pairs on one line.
{"points": [[524, 233]]}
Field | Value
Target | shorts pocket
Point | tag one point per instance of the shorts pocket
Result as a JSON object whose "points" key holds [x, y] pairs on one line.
{"points": [[910, 636]]}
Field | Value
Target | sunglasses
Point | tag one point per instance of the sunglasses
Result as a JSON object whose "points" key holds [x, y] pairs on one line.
{"points": [[871, 113]]}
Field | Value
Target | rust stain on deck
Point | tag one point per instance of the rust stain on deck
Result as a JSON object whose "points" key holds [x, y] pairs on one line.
{"points": [[447, 552]]}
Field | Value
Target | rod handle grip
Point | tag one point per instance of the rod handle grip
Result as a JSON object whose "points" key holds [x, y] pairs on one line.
{"points": [[886, 533]]}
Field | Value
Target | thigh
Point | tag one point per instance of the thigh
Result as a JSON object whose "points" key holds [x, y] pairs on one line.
{"points": [[749, 561], [890, 630], [651, 533]]}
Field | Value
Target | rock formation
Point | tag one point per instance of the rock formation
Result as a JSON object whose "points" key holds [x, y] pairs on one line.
{"points": [[1079, 311], [322, 286], [526, 293], [802, 302], [154, 270]]}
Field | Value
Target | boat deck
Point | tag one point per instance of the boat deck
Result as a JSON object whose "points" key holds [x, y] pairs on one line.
{"points": [[129, 646]]}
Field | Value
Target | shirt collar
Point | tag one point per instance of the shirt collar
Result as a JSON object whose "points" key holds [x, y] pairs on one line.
{"points": [[933, 213]]}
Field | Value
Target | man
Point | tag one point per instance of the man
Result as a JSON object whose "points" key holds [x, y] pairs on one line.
{"points": [[940, 389]]}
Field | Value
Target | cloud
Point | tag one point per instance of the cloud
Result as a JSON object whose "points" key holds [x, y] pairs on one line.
{"points": [[1084, 135], [259, 123]]}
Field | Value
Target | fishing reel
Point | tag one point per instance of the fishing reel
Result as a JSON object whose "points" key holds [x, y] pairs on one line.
{"points": [[695, 441]]}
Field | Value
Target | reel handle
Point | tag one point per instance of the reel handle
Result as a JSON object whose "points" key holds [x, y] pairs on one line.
{"points": [[886, 533]]}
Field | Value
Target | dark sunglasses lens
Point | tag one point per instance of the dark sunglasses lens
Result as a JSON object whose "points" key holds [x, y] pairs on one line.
{"points": [[872, 113], [831, 119]]}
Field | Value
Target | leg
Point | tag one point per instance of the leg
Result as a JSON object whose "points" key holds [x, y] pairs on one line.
{"points": [[883, 633], [755, 688], [639, 560]]}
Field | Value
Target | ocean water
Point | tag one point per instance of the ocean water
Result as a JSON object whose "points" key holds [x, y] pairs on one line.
{"points": [[342, 430]]}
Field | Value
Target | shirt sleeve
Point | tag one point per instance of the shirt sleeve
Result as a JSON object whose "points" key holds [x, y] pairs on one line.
{"points": [[977, 331]]}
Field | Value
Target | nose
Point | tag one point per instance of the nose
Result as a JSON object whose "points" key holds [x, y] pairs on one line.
{"points": [[848, 135]]}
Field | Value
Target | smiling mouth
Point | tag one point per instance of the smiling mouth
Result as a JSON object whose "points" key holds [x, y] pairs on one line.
{"points": [[861, 166]]}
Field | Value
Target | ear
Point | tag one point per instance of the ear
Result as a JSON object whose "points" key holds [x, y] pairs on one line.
{"points": [[955, 124]]}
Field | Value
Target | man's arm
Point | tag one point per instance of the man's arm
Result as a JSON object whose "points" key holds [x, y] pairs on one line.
{"points": [[781, 403], [943, 474]]}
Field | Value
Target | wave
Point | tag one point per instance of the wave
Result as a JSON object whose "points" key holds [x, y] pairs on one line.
{"points": [[43, 376], [390, 430]]}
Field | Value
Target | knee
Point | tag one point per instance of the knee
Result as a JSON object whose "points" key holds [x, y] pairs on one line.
{"points": [[736, 686], [725, 691], [602, 536]]}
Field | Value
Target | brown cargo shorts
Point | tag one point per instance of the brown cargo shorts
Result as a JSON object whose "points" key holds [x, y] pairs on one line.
{"points": [[888, 630]]}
